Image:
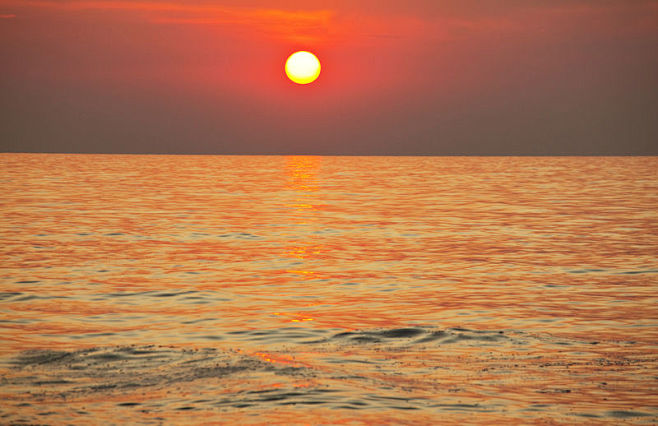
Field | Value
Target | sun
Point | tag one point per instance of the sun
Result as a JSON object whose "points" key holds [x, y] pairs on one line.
{"points": [[303, 67]]}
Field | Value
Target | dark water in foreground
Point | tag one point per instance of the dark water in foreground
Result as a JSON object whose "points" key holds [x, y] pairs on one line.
{"points": [[328, 289]]}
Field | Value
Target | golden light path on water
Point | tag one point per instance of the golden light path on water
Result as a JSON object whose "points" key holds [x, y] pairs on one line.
{"points": [[186, 289]]}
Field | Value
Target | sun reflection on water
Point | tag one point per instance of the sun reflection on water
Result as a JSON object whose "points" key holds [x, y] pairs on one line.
{"points": [[302, 173], [304, 206]]}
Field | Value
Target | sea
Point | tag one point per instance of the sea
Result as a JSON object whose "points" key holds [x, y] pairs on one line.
{"points": [[328, 290]]}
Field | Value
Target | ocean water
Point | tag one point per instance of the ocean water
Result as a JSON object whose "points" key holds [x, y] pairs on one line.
{"points": [[416, 290]]}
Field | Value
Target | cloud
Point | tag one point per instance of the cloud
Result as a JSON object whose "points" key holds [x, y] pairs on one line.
{"points": [[277, 22], [357, 22], [295, 25], [7, 16]]}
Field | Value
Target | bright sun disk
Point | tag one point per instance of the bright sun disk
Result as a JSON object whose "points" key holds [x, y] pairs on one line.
{"points": [[303, 67]]}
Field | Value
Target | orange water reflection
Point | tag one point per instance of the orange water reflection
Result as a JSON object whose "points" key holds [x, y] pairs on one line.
{"points": [[303, 183], [302, 173], [275, 256]]}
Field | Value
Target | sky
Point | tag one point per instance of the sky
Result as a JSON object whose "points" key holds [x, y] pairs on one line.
{"points": [[412, 77]]}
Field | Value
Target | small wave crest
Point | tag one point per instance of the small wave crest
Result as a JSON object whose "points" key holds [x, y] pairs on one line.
{"points": [[413, 336]]}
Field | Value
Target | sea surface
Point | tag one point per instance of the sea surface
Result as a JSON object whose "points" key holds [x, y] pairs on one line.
{"points": [[306, 290]]}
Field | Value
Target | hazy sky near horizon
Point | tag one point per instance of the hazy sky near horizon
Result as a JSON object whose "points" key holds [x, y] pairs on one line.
{"points": [[431, 77]]}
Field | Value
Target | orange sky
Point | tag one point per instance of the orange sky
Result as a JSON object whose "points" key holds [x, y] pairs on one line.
{"points": [[413, 77]]}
